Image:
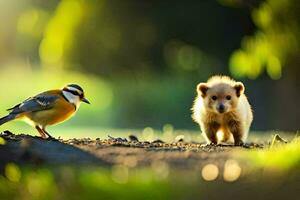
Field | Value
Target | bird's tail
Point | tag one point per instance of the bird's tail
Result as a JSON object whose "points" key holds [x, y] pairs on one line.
{"points": [[7, 118]]}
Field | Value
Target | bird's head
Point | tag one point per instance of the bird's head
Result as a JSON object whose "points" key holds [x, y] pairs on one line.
{"points": [[74, 94]]}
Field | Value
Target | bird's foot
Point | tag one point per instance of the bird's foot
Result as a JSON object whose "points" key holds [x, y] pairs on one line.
{"points": [[50, 138]]}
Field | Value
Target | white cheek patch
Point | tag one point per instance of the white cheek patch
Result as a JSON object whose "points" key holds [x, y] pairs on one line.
{"points": [[74, 99]]}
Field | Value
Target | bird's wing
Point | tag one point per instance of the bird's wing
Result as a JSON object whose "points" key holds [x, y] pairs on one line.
{"points": [[40, 102]]}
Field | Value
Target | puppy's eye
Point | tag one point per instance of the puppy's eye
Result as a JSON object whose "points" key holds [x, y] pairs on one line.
{"points": [[228, 97], [214, 98]]}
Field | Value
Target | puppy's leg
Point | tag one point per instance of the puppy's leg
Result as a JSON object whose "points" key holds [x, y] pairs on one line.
{"points": [[210, 132], [236, 129]]}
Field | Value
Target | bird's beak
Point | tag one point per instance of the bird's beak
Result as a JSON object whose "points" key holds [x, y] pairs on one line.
{"points": [[85, 100]]}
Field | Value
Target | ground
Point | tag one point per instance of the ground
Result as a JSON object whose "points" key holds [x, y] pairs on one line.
{"points": [[26, 149], [133, 168]]}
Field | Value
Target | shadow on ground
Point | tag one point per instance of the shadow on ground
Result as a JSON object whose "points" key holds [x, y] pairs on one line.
{"points": [[25, 149]]}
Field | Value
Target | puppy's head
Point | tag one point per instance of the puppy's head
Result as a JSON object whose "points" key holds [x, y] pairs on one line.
{"points": [[220, 97]]}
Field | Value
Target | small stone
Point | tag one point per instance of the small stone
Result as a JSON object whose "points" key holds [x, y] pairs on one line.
{"points": [[179, 138], [133, 138], [158, 141]]}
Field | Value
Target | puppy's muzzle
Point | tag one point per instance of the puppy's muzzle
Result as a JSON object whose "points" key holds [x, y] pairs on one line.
{"points": [[221, 108]]}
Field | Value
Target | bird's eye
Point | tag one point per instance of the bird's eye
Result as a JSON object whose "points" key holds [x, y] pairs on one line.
{"points": [[214, 98], [228, 97]]}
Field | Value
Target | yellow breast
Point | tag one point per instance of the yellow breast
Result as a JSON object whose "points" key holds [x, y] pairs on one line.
{"points": [[61, 111]]}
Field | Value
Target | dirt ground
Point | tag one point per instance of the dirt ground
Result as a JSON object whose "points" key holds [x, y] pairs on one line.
{"points": [[26, 149]]}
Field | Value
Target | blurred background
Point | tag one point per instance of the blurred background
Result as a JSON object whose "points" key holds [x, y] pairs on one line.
{"points": [[139, 61]]}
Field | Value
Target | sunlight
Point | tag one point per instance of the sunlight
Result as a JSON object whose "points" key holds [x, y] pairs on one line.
{"points": [[32, 22], [60, 30]]}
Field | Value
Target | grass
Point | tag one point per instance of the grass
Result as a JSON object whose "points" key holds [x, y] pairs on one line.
{"points": [[87, 183], [279, 156]]}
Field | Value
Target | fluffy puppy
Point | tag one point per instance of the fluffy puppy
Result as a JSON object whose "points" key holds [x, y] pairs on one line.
{"points": [[222, 111]]}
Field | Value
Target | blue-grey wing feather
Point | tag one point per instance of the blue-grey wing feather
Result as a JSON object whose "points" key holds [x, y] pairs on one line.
{"points": [[40, 102]]}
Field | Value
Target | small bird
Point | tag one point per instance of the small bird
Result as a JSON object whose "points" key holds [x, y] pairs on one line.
{"points": [[48, 108]]}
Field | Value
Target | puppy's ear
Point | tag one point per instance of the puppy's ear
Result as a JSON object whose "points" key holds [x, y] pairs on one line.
{"points": [[202, 89], [239, 88]]}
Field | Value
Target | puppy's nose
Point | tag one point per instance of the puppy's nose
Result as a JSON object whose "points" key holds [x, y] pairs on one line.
{"points": [[221, 108]]}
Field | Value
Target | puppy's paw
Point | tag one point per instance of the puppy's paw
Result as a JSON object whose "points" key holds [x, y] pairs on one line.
{"points": [[238, 143]]}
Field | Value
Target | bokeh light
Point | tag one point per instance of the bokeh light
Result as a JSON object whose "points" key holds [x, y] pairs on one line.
{"points": [[13, 172], [2, 141], [148, 134], [232, 170], [210, 172]]}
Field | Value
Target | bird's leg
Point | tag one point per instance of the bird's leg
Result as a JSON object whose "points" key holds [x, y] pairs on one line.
{"points": [[42, 133], [49, 136]]}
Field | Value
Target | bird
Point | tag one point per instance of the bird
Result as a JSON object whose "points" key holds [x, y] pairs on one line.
{"points": [[48, 108]]}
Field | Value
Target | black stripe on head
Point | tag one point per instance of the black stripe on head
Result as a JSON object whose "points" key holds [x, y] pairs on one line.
{"points": [[73, 92], [75, 86]]}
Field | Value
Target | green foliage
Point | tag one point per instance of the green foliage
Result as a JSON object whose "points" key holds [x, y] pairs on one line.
{"points": [[120, 37], [280, 156], [273, 44]]}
